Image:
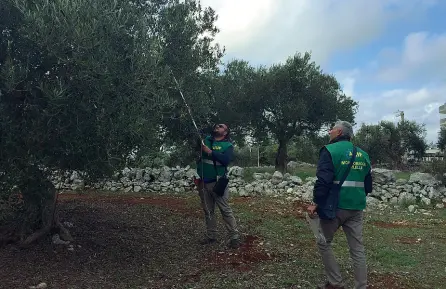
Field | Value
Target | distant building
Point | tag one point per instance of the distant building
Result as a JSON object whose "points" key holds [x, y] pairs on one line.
{"points": [[433, 154]]}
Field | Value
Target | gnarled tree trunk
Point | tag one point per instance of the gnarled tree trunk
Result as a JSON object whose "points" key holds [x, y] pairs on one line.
{"points": [[37, 215], [282, 156], [49, 222]]}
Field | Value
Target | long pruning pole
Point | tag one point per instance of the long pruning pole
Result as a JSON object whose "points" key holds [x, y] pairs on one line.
{"points": [[185, 102]]}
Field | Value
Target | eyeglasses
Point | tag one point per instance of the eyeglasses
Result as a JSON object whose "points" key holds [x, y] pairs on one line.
{"points": [[220, 126]]}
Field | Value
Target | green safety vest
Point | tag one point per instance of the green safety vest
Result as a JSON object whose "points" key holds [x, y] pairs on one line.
{"points": [[205, 167], [352, 194]]}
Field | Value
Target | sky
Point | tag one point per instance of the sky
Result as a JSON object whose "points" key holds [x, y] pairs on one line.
{"points": [[388, 55]]}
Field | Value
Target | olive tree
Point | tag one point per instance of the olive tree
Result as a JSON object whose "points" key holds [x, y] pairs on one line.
{"points": [[82, 84], [442, 139], [293, 99], [387, 142]]}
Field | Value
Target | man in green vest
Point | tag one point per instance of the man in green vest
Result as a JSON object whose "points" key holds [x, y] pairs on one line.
{"points": [[348, 201], [217, 153]]}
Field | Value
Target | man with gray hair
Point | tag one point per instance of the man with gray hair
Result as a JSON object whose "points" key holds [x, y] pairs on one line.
{"points": [[339, 195]]}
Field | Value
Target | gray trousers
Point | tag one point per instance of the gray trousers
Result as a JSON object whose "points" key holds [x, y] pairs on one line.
{"points": [[352, 224], [208, 201]]}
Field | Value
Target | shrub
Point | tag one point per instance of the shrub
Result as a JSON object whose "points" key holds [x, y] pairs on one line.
{"points": [[438, 169]]}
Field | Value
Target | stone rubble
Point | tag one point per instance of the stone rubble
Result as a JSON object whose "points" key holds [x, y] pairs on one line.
{"points": [[421, 188]]}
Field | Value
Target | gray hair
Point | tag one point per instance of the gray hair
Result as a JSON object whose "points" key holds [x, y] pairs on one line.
{"points": [[346, 128]]}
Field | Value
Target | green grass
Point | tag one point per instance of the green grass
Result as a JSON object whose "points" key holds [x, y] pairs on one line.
{"points": [[403, 175], [154, 245], [416, 249]]}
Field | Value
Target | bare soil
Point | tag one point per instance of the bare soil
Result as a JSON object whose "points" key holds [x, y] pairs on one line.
{"points": [[408, 240], [396, 224], [381, 281], [152, 242]]}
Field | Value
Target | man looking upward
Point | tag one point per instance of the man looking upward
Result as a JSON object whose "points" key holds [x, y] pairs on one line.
{"points": [[217, 153]]}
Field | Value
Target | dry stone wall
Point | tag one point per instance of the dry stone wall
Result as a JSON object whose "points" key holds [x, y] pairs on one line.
{"points": [[421, 188]]}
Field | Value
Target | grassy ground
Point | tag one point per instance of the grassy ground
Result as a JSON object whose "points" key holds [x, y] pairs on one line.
{"points": [[403, 175], [151, 242]]}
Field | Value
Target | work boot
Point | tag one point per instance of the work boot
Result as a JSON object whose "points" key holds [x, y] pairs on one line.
{"points": [[327, 285], [207, 241]]}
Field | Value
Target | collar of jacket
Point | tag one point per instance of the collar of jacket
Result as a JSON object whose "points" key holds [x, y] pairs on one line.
{"points": [[340, 138], [226, 139]]}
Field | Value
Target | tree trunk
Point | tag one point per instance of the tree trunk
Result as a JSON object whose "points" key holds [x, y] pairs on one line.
{"points": [[49, 221], [282, 156], [38, 216]]}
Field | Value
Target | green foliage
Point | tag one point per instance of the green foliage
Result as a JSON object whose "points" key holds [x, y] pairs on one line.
{"points": [[185, 31], [390, 143], [442, 139], [233, 91], [83, 92], [294, 99], [246, 156], [298, 97], [268, 154], [264, 155], [437, 168], [181, 156], [83, 84], [286, 100], [306, 148], [148, 158]]}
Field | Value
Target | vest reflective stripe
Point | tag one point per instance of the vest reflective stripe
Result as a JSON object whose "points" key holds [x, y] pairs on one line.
{"points": [[217, 163], [351, 184], [205, 166], [352, 195]]}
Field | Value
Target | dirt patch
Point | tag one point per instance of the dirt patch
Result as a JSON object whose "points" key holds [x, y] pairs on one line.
{"points": [[132, 200], [128, 242], [409, 241], [117, 244], [245, 257], [242, 200], [175, 205], [299, 209], [276, 208], [378, 281], [274, 211], [296, 209], [397, 224]]}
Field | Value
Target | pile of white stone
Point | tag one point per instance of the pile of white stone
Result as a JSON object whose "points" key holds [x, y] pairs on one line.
{"points": [[136, 180], [420, 188]]}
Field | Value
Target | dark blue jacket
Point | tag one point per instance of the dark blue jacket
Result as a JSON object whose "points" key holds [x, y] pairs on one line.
{"points": [[225, 158], [325, 175]]}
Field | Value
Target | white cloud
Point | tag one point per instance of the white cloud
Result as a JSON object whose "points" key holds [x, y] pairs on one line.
{"points": [[240, 21], [347, 79], [421, 63], [423, 57], [419, 105], [268, 31]]}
